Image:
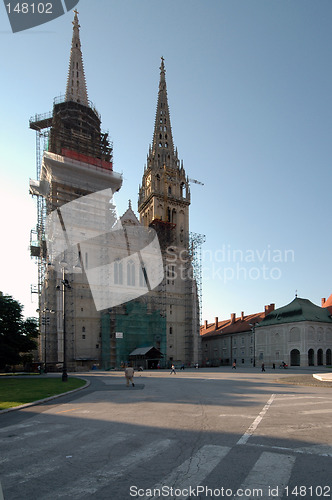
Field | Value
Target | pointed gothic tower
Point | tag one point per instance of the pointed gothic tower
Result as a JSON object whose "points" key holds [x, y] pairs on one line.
{"points": [[77, 163], [164, 196], [76, 124], [164, 199]]}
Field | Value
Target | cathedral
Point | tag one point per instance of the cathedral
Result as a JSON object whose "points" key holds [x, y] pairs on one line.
{"points": [[110, 290]]}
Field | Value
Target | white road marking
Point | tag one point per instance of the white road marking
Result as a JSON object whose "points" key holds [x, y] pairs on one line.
{"points": [[249, 432], [91, 483], [321, 450], [271, 472], [49, 465], [312, 412], [235, 415], [193, 471], [306, 403]]}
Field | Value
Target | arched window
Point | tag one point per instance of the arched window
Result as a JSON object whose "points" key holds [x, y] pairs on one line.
{"points": [[130, 273], [118, 272]]}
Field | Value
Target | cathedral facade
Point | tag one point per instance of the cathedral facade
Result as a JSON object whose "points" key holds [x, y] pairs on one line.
{"points": [[101, 298]]}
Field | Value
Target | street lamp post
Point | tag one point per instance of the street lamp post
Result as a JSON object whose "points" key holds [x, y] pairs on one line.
{"points": [[65, 285]]}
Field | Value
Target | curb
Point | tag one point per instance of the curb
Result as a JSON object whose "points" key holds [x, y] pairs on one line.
{"points": [[323, 377], [35, 403]]}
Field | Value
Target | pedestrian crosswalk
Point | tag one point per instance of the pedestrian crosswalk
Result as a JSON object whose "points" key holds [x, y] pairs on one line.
{"points": [[83, 463]]}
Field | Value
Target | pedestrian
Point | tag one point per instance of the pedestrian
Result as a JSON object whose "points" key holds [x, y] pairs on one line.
{"points": [[129, 374], [274, 366], [173, 370], [263, 367], [234, 366], [182, 366]]}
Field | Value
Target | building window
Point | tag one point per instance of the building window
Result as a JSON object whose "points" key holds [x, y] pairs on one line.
{"points": [[83, 337], [170, 330], [97, 346], [130, 273], [83, 329], [118, 274]]}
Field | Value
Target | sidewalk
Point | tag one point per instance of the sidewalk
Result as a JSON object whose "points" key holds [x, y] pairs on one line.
{"points": [[323, 377]]}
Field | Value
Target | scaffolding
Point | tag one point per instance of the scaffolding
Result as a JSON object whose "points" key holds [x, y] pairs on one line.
{"points": [[196, 241], [41, 124]]}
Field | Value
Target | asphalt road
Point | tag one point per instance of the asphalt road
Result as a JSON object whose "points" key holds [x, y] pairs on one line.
{"points": [[197, 434]]}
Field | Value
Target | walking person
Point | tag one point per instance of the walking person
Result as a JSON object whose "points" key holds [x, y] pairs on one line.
{"points": [[173, 370], [234, 366], [263, 367], [129, 374]]}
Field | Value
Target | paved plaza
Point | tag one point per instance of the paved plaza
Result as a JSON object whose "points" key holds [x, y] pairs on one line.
{"points": [[197, 434]]}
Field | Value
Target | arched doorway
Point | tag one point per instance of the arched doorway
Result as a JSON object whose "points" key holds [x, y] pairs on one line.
{"points": [[320, 357], [295, 357], [328, 357], [311, 357]]}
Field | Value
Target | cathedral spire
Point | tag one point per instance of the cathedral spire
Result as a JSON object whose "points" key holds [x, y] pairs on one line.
{"points": [[162, 137], [76, 85]]}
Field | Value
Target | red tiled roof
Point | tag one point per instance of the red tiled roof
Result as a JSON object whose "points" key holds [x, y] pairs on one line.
{"points": [[226, 326], [328, 303]]}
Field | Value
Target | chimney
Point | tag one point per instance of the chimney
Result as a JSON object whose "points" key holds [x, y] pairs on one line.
{"points": [[232, 318], [268, 309], [205, 324], [242, 315], [323, 302], [216, 322]]}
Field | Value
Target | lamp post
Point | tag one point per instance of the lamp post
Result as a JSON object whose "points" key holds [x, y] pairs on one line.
{"points": [[253, 329], [65, 285]]}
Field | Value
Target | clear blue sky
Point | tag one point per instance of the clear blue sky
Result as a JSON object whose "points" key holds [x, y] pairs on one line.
{"points": [[249, 87]]}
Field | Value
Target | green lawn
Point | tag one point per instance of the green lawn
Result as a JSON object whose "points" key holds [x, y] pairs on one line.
{"points": [[16, 391]]}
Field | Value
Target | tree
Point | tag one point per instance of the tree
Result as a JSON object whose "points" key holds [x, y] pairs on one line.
{"points": [[17, 335]]}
